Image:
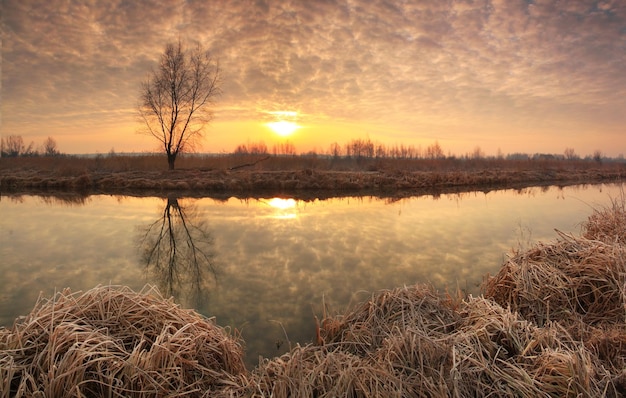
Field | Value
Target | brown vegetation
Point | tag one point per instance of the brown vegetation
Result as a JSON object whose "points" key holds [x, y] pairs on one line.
{"points": [[293, 175], [114, 342], [551, 324]]}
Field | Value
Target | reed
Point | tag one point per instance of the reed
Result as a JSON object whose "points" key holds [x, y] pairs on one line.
{"points": [[387, 347], [113, 342], [578, 283], [280, 174], [569, 280], [608, 224]]}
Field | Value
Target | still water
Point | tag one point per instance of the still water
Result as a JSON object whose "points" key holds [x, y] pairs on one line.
{"points": [[267, 266]]}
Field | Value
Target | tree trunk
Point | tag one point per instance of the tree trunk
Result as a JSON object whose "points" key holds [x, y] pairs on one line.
{"points": [[171, 158]]}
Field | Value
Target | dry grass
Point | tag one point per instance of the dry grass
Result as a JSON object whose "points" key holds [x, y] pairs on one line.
{"points": [[578, 283], [113, 342], [552, 323], [72, 165], [569, 280], [280, 174], [608, 224], [435, 348]]}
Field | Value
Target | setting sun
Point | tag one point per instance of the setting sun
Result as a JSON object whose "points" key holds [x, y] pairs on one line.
{"points": [[283, 128], [317, 90]]}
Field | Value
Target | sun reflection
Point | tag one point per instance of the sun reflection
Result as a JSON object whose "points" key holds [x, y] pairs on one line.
{"points": [[282, 204], [285, 208]]}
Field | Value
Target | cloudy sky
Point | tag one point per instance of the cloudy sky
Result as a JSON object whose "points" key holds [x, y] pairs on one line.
{"points": [[510, 75]]}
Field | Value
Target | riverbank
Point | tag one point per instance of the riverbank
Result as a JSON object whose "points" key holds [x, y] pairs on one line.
{"points": [[296, 177], [551, 322]]}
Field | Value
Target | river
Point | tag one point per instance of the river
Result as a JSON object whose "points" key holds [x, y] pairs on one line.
{"points": [[267, 267]]}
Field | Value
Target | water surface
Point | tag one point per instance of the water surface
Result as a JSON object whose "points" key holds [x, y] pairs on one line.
{"points": [[266, 267]]}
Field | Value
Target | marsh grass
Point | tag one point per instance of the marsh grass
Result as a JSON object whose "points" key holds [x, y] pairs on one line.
{"points": [[551, 323], [434, 348], [278, 174], [608, 224], [71, 165], [114, 342], [575, 279]]}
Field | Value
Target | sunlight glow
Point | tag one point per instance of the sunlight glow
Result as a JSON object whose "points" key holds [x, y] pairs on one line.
{"points": [[282, 204], [283, 128], [283, 114], [285, 208]]}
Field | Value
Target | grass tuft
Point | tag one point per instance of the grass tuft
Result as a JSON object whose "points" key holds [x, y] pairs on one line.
{"points": [[113, 342]]}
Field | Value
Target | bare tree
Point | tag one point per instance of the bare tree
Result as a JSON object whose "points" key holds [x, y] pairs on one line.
{"points": [[597, 155], [570, 154], [477, 153], [175, 100], [284, 148], [13, 146], [434, 151], [50, 147]]}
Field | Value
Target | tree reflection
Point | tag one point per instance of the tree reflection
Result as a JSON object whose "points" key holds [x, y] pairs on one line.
{"points": [[178, 250]]}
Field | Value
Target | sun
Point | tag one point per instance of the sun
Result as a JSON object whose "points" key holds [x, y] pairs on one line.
{"points": [[283, 128]]}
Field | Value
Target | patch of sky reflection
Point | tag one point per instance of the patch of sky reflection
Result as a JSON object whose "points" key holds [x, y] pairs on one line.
{"points": [[277, 259]]}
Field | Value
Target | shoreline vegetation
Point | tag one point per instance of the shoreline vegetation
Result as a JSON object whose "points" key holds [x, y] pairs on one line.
{"points": [[550, 323], [302, 177]]}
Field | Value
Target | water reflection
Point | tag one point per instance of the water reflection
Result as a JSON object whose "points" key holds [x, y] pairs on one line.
{"points": [[58, 198], [284, 208], [178, 250], [280, 259]]}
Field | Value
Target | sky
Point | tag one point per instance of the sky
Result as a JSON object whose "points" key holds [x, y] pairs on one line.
{"points": [[507, 76]]}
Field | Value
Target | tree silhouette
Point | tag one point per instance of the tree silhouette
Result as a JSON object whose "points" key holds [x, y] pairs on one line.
{"points": [[178, 249], [175, 100], [50, 147]]}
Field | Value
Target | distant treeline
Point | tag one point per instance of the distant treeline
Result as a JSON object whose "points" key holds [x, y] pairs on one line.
{"points": [[367, 149], [13, 146]]}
